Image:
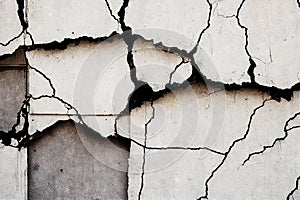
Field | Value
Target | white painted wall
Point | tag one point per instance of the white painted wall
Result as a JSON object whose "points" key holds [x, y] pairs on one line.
{"points": [[186, 144]]}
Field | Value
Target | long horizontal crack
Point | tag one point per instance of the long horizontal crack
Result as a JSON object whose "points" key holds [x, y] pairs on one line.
{"points": [[205, 196], [285, 129], [178, 148], [143, 92]]}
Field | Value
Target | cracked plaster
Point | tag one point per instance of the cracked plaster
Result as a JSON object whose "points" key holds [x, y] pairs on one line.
{"points": [[237, 44]]}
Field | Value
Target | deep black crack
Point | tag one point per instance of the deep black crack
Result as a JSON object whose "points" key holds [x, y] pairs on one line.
{"points": [[143, 92], [285, 129], [121, 14], [144, 151], [21, 8], [290, 195], [205, 196], [298, 2], [274, 92], [110, 11], [6, 137]]}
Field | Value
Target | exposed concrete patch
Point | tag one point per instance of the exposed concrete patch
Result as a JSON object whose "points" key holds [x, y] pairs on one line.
{"points": [[69, 162]]}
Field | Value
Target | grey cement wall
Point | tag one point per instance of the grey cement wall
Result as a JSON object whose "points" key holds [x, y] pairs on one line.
{"points": [[61, 167], [12, 162]]}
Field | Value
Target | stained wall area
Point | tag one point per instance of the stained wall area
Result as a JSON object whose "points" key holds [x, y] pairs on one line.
{"points": [[195, 99]]}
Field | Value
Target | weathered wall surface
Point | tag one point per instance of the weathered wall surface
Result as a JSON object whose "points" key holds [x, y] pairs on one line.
{"points": [[13, 179], [206, 93]]}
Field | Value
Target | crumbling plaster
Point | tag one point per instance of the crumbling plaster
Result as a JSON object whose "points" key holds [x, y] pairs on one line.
{"points": [[206, 91]]}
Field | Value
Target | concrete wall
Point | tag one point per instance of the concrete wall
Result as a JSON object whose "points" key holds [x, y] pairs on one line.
{"points": [[205, 92], [13, 163], [60, 167]]}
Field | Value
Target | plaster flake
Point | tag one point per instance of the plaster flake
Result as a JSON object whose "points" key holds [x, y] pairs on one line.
{"points": [[274, 45], [154, 66], [11, 36], [175, 26], [223, 44], [85, 76], [71, 73], [55, 20]]}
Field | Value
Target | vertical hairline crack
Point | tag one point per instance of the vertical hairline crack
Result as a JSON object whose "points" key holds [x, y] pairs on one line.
{"points": [[144, 151]]}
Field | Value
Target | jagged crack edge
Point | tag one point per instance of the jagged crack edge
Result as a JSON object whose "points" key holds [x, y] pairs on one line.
{"points": [[121, 15]]}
